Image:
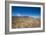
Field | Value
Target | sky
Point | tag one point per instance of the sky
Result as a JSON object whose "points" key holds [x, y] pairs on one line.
{"points": [[25, 11]]}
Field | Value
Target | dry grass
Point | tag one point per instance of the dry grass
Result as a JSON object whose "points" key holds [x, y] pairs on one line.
{"points": [[25, 22]]}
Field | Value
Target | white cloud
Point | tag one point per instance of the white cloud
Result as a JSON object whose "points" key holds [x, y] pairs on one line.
{"points": [[35, 16], [18, 14]]}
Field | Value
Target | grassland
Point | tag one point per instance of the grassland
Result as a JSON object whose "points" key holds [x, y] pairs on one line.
{"points": [[25, 22]]}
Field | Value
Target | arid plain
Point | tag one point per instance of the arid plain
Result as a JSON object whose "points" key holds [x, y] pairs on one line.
{"points": [[25, 22]]}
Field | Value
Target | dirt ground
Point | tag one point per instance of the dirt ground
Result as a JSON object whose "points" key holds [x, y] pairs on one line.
{"points": [[21, 22]]}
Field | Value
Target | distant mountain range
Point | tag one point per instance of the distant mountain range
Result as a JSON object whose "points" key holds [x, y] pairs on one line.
{"points": [[26, 16]]}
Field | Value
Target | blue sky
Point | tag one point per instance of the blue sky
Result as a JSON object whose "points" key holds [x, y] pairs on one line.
{"points": [[25, 11]]}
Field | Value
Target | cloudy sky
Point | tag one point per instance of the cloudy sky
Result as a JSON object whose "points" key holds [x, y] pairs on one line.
{"points": [[25, 11]]}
